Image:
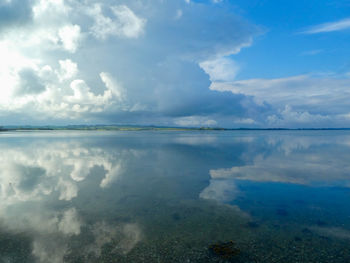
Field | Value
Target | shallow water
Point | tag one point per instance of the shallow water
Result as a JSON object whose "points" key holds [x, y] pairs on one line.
{"points": [[228, 196]]}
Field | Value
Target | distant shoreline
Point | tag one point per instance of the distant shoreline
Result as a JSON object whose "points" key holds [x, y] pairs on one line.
{"points": [[149, 128]]}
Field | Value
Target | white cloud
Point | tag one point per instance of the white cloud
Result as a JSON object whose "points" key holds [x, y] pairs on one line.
{"points": [[68, 70], [220, 69], [132, 235], [329, 27], [128, 236], [194, 121], [112, 86], [47, 249], [51, 10], [33, 177], [114, 172], [195, 140], [55, 92], [298, 100], [130, 25], [312, 52], [220, 190], [265, 89], [287, 116], [42, 90], [132, 68], [67, 189], [296, 160], [29, 174], [51, 27], [70, 36], [70, 223], [244, 121], [123, 23]]}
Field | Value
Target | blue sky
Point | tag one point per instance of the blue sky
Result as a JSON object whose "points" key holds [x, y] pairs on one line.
{"points": [[175, 62], [281, 51]]}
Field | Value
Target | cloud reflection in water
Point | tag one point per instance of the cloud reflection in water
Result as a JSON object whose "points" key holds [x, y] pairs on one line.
{"points": [[79, 197]]}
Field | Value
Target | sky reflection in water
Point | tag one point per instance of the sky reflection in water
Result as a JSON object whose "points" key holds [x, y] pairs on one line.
{"points": [[167, 196]]}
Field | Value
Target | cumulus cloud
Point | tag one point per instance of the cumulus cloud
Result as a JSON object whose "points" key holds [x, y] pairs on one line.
{"points": [[25, 73], [288, 116], [127, 236], [114, 172], [220, 190], [39, 184], [220, 69], [68, 70], [123, 23], [119, 61], [70, 223], [296, 160], [194, 121], [55, 93], [69, 36], [29, 174], [298, 101]]}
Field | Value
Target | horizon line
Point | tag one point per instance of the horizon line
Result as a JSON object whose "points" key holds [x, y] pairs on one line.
{"points": [[116, 126]]}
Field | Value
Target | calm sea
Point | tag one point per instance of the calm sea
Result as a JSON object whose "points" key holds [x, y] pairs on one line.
{"points": [[228, 196]]}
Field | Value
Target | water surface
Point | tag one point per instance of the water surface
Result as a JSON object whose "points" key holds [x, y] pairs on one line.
{"points": [[259, 196]]}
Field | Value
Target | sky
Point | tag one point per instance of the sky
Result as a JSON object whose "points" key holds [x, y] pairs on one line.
{"points": [[215, 63]]}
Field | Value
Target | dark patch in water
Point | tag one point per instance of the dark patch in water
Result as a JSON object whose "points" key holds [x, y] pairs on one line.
{"points": [[298, 239], [306, 231], [324, 238], [321, 223], [252, 225], [176, 216], [281, 212]]}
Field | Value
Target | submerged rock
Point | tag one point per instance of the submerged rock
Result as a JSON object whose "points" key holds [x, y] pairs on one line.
{"points": [[227, 250]]}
